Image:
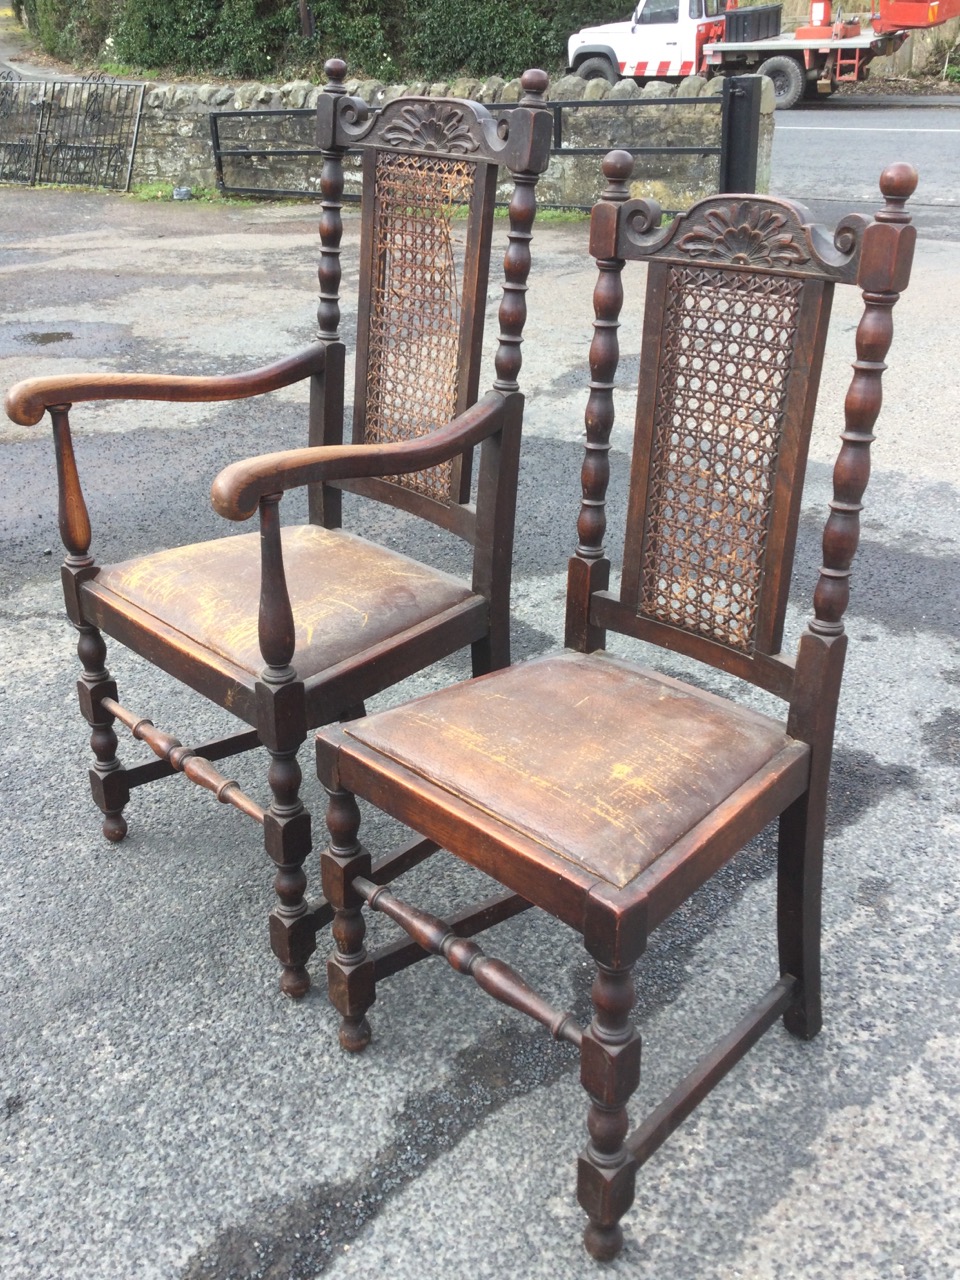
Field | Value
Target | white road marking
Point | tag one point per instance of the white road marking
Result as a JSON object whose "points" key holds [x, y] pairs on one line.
{"points": [[839, 128]]}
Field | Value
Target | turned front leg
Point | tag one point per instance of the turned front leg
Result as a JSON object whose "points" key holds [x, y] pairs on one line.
{"points": [[281, 723], [108, 779], [350, 974], [610, 1072], [287, 837]]}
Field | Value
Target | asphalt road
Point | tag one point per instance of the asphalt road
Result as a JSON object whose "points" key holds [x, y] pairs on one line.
{"points": [[165, 1115], [829, 155]]}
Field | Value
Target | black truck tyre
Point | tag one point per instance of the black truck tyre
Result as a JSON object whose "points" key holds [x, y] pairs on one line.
{"points": [[598, 68], [788, 79]]}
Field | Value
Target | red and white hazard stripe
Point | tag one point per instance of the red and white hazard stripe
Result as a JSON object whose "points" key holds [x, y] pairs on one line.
{"points": [[656, 70]]}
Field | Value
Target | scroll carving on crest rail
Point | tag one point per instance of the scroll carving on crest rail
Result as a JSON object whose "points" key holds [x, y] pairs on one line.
{"points": [[744, 236], [759, 235], [439, 126]]}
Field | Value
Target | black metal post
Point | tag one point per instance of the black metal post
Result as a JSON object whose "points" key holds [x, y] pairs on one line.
{"points": [[217, 154], [739, 133]]}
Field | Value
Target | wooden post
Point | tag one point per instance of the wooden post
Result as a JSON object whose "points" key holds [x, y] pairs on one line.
{"points": [[308, 26], [589, 569]]}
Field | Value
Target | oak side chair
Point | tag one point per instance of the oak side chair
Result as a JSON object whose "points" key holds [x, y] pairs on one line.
{"points": [[603, 792], [295, 629]]}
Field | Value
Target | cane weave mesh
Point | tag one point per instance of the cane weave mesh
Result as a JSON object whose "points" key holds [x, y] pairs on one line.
{"points": [[727, 349], [414, 359]]}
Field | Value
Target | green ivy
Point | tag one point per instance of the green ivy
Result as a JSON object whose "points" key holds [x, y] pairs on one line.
{"points": [[355, 30], [261, 39], [74, 30], [228, 37], [480, 38]]}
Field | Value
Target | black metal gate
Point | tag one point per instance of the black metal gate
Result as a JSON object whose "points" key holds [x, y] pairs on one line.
{"points": [[69, 132], [273, 153]]}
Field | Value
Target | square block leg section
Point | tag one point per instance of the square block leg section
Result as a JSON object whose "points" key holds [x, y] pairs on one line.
{"points": [[605, 1195]]}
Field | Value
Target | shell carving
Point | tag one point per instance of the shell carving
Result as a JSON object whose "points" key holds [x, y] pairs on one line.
{"points": [[741, 236], [431, 128]]}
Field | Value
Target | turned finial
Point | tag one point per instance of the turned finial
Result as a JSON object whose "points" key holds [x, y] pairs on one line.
{"points": [[335, 70], [534, 84], [516, 260], [617, 166], [884, 273], [897, 184]]}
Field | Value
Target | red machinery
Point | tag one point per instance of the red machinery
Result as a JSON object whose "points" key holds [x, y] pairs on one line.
{"points": [[905, 15]]}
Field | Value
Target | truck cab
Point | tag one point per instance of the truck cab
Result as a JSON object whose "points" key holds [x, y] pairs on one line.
{"points": [[670, 39], [662, 40]]}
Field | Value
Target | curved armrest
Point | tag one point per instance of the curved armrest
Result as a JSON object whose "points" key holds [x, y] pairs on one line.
{"points": [[25, 403], [238, 488]]}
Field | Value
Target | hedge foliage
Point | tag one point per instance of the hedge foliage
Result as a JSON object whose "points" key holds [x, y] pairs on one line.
{"points": [[390, 39], [231, 37], [74, 30]]}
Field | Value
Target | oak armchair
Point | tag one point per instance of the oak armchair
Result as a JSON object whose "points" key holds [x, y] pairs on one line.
{"points": [[290, 629], [606, 793]]}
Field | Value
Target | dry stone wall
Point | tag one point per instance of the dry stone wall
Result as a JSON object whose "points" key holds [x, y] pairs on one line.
{"points": [[175, 141]]}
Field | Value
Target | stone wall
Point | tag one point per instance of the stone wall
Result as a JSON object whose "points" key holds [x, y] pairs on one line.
{"points": [[175, 143]]}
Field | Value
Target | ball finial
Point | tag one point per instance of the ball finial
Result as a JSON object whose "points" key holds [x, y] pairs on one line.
{"points": [[335, 70], [898, 181], [617, 166], [534, 82]]}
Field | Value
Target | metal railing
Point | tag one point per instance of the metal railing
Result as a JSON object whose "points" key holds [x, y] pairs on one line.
{"points": [[259, 143], [75, 132]]}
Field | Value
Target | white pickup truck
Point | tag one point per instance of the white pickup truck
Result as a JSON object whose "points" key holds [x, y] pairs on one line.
{"points": [[670, 39]]}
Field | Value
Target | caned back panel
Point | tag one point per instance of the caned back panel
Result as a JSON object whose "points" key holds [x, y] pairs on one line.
{"points": [[427, 226], [728, 382]]}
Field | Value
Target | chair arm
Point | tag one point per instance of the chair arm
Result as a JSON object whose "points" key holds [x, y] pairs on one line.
{"points": [[237, 490], [25, 403]]}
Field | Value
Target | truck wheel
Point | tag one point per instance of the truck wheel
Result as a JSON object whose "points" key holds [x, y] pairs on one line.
{"points": [[788, 80], [597, 69]]}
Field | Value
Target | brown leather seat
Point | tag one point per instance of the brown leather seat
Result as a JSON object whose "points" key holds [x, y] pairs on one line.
{"points": [[589, 757], [348, 595]]}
